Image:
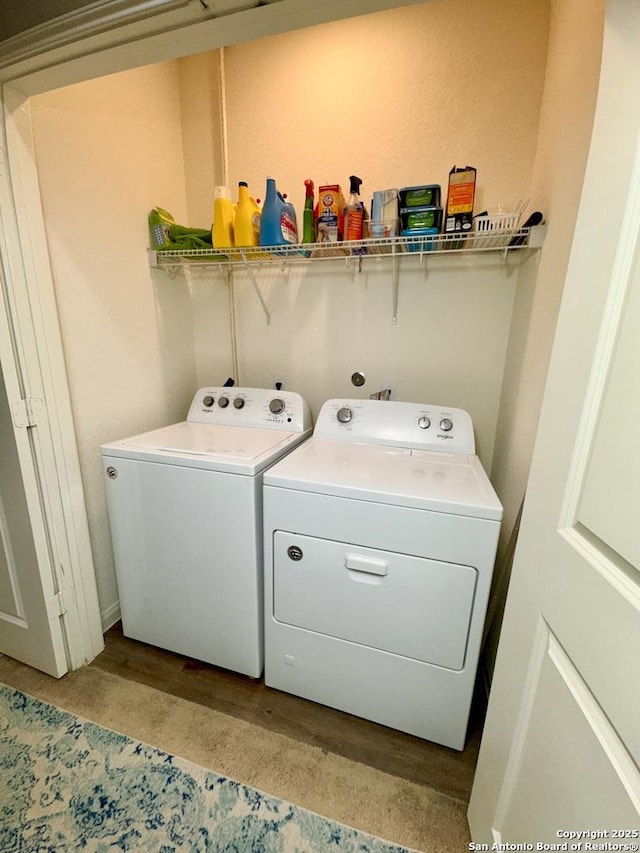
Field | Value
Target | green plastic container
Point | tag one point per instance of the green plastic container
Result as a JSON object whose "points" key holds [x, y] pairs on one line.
{"points": [[426, 195], [421, 217]]}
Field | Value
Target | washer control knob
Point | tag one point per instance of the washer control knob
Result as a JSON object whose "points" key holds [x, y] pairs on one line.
{"points": [[208, 401], [424, 422], [276, 406], [238, 403], [446, 425], [223, 402], [344, 415]]}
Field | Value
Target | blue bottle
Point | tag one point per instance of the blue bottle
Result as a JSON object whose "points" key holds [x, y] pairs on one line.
{"points": [[278, 225]]}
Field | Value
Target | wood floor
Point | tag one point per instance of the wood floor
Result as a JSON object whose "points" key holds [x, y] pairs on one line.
{"points": [[408, 757]]}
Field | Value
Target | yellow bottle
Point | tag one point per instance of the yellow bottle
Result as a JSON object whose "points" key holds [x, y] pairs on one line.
{"points": [[223, 215], [247, 220]]}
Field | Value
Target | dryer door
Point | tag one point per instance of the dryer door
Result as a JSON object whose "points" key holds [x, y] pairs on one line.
{"points": [[396, 603]]}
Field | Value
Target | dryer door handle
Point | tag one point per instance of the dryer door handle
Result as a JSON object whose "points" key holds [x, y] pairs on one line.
{"points": [[369, 565]]}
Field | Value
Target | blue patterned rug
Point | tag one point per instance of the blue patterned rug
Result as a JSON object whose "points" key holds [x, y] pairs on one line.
{"points": [[67, 784]]}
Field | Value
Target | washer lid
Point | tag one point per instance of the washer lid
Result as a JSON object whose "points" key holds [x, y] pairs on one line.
{"points": [[443, 482], [215, 446]]}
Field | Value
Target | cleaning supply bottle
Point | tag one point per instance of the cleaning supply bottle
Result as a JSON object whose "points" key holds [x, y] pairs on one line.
{"points": [[354, 211], [288, 221], [246, 226], [278, 224], [224, 211], [308, 215]]}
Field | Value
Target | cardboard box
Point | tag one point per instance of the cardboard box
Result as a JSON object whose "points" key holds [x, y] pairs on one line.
{"points": [[458, 218], [330, 213]]}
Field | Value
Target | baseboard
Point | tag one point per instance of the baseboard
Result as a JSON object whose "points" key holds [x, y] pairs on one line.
{"points": [[110, 616]]}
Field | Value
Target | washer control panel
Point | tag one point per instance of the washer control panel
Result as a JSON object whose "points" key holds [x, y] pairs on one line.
{"points": [[250, 407], [388, 422]]}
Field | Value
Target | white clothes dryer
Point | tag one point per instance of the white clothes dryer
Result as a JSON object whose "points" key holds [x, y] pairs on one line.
{"points": [[380, 538], [185, 508]]}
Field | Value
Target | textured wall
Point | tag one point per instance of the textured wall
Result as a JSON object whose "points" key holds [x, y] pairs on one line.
{"points": [[398, 98], [575, 46], [106, 155]]}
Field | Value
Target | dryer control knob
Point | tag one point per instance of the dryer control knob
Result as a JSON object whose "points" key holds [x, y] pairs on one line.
{"points": [[276, 406], [344, 415], [424, 422], [223, 402], [238, 403], [208, 401], [446, 424]]}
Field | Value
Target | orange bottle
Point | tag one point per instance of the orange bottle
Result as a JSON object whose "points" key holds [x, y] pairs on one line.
{"points": [[354, 212]]}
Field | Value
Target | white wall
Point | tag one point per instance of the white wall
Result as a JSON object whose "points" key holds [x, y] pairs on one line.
{"points": [[107, 152], [575, 46], [398, 98], [448, 347]]}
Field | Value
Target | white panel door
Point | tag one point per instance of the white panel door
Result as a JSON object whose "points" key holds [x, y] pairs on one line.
{"points": [[30, 609], [49, 609], [561, 747]]}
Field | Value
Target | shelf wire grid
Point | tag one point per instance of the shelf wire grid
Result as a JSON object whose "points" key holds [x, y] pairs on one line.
{"points": [[420, 245]]}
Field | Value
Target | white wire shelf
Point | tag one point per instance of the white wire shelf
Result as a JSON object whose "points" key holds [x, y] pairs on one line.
{"points": [[352, 253], [505, 242]]}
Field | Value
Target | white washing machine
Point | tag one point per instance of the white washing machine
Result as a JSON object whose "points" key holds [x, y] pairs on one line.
{"points": [[380, 539], [185, 507]]}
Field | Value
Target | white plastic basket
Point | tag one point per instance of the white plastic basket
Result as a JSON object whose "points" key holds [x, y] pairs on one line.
{"points": [[495, 229]]}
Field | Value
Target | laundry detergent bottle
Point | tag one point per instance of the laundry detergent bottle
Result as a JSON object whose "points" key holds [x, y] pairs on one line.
{"points": [[278, 224], [246, 227], [224, 211]]}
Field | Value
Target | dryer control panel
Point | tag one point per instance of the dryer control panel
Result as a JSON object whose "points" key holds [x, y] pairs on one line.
{"points": [[388, 422], [250, 407]]}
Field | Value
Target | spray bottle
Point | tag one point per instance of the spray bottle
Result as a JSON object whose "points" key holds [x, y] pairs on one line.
{"points": [[354, 211], [308, 215]]}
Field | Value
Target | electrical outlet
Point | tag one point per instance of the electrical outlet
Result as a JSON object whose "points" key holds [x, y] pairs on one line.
{"points": [[280, 382], [389, 384]]}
